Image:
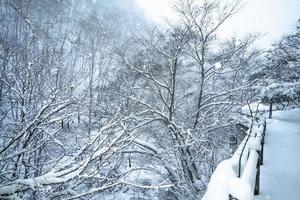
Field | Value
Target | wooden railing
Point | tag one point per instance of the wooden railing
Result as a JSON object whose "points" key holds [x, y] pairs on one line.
{"points": [[238, 178]]}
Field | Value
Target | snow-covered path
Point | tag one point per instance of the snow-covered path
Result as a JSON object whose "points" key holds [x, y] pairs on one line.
{"points": [[280, 173]]}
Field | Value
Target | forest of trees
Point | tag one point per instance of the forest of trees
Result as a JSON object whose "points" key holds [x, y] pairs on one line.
{"points": [[97, 102]]}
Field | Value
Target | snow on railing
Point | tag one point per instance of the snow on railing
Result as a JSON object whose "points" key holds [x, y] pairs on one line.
{"points": [[238, 177]]}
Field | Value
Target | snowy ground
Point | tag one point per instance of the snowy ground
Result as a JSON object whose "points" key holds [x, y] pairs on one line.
{"points": [[280, 174]]}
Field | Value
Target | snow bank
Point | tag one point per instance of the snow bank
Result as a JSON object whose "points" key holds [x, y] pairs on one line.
{"points": [[240, 189], [249, 173], [218, 185], [255, 144]]}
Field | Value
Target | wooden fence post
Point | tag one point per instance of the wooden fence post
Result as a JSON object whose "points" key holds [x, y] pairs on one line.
{"points": [[261, 156], [262, 142], [270, 110], [257, 179]]}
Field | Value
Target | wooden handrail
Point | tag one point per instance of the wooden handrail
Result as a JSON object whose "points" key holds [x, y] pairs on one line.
{"points": [[259, 161], [242, 170], [240, 158]]}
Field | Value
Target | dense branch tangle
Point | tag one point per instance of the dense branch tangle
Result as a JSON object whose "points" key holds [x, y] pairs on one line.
{"points": [[179, 88], [83, 112]]}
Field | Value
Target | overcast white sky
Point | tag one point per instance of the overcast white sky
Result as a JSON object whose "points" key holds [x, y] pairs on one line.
{"points": [[272, 17]]}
